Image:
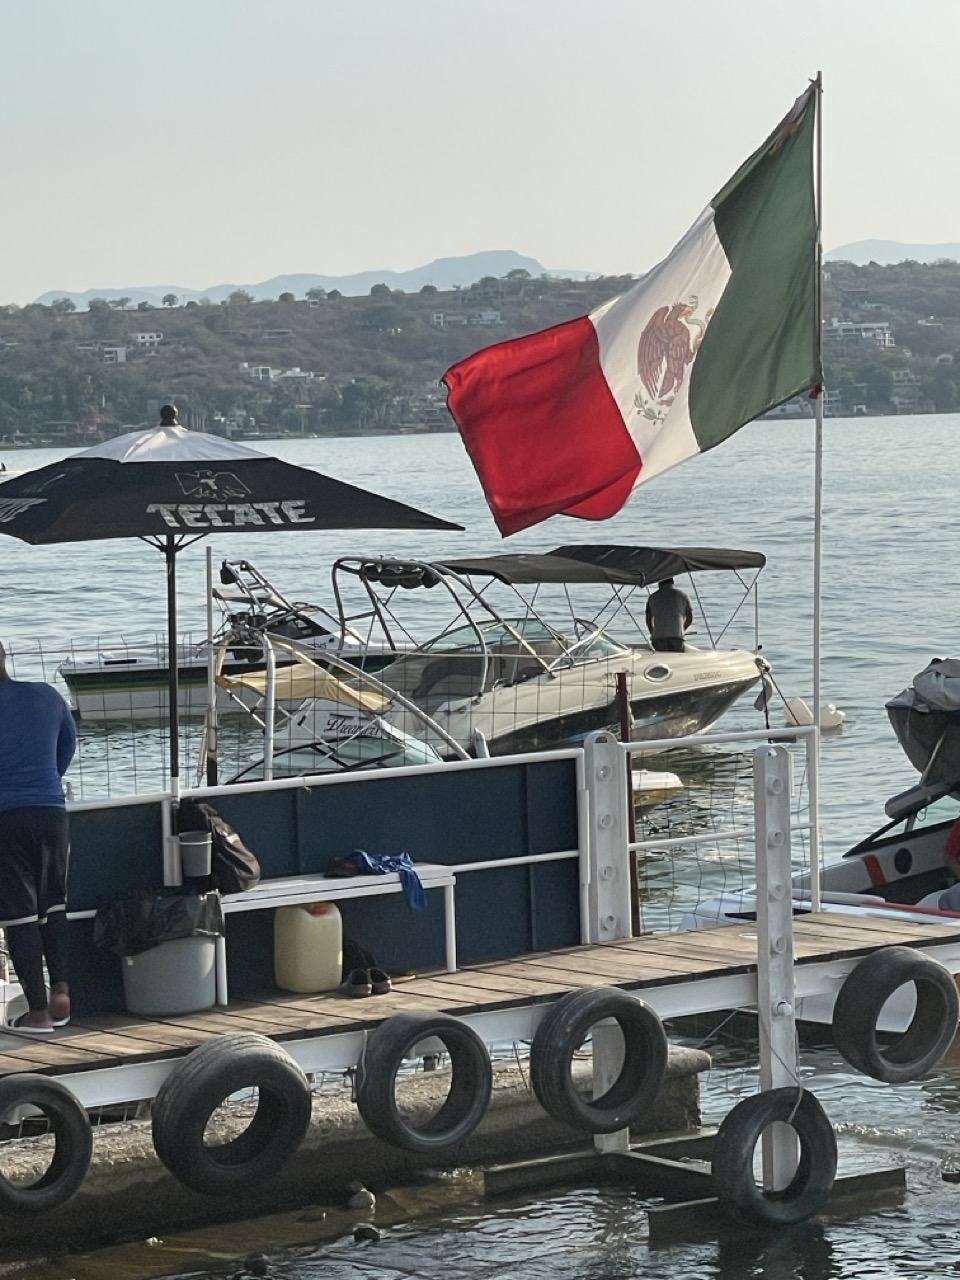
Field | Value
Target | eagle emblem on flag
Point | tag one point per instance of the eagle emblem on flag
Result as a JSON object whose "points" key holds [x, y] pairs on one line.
{"points": [[668, 344]]}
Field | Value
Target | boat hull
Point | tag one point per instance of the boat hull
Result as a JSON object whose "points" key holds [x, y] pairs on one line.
{"points": [[670, 695]]}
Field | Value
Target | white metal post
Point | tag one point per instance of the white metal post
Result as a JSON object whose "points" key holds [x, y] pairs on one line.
{"points": [[608, 1051], [607, 895], [779, 1063], [172, 866], [608, 892], [270, 713]]}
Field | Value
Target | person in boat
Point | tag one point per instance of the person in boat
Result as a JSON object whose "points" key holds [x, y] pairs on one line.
{"points": [[37, 742], [668, 615]]}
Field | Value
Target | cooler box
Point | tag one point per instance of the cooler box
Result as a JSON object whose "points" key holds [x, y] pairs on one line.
{"points": [[179, 976], [308, 948]]}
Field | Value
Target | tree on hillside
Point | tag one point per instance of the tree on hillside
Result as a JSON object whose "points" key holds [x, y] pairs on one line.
{"points": [[385, 316], [170, 299], [101, 317], [144, 306], [380, 291], [334, 295], [428, 291], [316, 294], [287, 297], [63, 306], [879, 383], [240, 298], [120, 304], [945, 396]]}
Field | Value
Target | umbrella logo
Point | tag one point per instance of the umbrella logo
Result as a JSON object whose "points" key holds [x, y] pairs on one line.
{"points": [[211, 484]]}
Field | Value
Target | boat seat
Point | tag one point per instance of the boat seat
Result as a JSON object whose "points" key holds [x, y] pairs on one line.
{"points": [[452, 676]]}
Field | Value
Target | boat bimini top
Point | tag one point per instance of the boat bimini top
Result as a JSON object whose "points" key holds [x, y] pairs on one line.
{"points": [[604, 565], [482, 625]]}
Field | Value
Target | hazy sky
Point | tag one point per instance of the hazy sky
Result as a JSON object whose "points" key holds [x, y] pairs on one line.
{"points": [[197, 142]]}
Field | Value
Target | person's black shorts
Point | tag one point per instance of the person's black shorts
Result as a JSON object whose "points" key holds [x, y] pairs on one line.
{"points": [[669, 644], [33, 864]]}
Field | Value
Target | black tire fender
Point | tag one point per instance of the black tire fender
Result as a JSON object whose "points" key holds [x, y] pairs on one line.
{"points": [[471, 1084], [560, 1034], [199, 1084], [732, 1164], [73, 1143], [865, 991]]}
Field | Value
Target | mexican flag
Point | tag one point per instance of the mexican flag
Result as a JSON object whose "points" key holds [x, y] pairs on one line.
{"points": [[570, 420]]}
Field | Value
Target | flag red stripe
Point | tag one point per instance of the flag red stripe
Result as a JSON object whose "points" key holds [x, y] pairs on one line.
{"points": [[542, 427]]}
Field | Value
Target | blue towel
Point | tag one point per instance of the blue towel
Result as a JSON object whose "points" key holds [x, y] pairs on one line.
{"points": [[379, 864]]}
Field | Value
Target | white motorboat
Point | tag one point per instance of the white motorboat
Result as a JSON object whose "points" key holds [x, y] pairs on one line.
{"points": [[351, 733], [525, 681], [345, 729], [129, 681]]}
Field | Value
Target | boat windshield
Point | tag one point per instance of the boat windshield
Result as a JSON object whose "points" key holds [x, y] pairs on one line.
{"points": [[944, 809], [597, 645], [937, 812], [497, 636]]}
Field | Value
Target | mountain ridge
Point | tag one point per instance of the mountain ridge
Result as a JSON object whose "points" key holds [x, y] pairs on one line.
{"points": [[887, 253], [442, 273]]}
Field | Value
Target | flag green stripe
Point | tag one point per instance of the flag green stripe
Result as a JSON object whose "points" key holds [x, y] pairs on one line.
{"points": [[761, 346]]}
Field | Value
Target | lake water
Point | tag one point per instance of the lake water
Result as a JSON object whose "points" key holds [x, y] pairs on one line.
{"points": [[890, 546]]}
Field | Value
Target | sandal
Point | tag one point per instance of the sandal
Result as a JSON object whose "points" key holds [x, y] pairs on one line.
{"points": [[16, 1025], [380, 984], [357, 984]]}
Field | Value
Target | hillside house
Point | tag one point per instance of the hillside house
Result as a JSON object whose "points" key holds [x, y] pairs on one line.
{"points": [[484, 319], [849, 333]]}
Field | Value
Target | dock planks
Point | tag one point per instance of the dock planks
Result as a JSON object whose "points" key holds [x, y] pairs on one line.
{"points": [[635, 964]]}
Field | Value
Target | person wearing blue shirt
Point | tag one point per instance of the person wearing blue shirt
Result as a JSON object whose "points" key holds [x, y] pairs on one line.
{"points": [[37, 742]]}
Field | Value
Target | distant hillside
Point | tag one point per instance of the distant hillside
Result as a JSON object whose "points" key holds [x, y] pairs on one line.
{"points": [[442, 273], [889, 252]]}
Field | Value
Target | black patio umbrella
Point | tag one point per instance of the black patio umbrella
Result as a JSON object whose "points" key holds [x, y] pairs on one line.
{"points": [[170, 486]]}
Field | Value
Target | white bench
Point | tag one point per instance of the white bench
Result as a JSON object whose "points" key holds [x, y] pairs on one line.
{"points": [[292, 890]]}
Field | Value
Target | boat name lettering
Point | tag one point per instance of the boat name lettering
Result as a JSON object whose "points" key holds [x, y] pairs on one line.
{"points": [[708, 675], [10, 508], [338, 722], [230, 515]]}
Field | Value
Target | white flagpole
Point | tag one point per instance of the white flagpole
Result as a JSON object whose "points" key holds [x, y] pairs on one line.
{"points": [[817, 521]]}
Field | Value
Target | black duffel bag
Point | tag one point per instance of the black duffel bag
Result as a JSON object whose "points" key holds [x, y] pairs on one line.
{"points": [[234, 867]]}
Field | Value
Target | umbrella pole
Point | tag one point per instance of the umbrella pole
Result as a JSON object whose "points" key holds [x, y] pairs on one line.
{"points": [[211, 726], [170, 556]]}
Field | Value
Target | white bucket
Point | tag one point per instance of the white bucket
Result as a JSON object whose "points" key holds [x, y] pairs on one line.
{"points": [[196, 853]]}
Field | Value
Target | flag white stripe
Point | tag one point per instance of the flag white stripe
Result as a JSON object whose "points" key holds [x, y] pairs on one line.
{"points": [[697, 270]]}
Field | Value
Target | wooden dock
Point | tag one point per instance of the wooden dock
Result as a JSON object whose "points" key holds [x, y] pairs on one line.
{"points": [[109, 1060]]}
